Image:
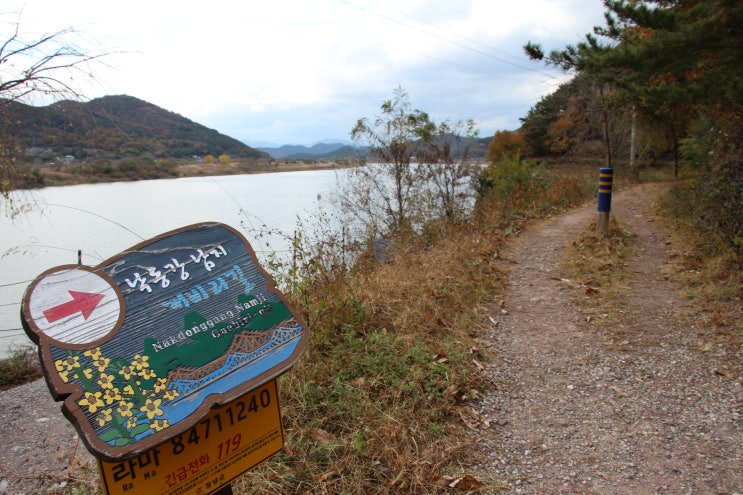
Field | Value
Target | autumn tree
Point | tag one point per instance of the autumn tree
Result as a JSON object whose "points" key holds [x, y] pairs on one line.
{"points": [[535, 125], [559, 120], [506, 144]]}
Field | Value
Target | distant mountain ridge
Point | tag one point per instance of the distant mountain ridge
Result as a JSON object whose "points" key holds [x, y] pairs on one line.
{"points": [[319, 151], [337, 151], [112, 127]]}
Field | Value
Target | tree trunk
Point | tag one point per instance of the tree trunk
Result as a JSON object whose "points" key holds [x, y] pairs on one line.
{"points": [[633, 141], [605, 126]]}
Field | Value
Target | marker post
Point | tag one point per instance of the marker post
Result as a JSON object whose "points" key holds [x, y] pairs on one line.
{"points": [[606, 176]]}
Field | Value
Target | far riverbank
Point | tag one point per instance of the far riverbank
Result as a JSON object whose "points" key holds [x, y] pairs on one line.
{"points": [[68, 175]]}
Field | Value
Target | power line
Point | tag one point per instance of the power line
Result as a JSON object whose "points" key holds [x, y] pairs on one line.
{"points": [[99, 216], [455, 43], [16, 283]]}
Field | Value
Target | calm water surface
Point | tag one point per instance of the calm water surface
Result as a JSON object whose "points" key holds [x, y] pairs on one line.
{"points": [[102, 220]]}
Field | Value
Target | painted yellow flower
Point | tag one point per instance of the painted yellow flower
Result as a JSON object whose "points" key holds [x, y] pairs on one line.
{"points": [[106, 381], [140, 362], [101, 363], [105, 416], [128, 390], [126, 372], [67, 364], [160, 385], [147, 373], [159, 424], [93, 353], [88, 373], [125, 409], [171, 394], [65, 376], [92, 401], [131, 422], [111, 395], [152, 408]]}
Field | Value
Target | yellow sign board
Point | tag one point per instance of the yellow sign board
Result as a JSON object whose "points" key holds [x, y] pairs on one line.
{"points": [[230, 440]]}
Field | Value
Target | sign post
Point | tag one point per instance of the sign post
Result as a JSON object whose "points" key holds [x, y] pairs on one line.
{"points": [[166, 358], [606, 176]]}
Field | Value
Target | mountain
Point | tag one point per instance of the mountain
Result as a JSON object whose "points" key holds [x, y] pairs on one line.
{"points": [[112, 127]]}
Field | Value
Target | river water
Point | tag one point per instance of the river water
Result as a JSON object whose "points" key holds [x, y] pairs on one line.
{"points": [[102, 220]]}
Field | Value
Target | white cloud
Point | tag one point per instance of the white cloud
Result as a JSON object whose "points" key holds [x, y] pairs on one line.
{"points": [[299, 70]]}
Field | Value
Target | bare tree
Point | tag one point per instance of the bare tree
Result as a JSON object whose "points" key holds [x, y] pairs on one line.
{"points": [[48, 65], [385, 195], [449, 173], [418, 171], [45, 64]]}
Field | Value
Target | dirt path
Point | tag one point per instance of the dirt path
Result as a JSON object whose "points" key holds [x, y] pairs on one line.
{"points": [[627, 406]]}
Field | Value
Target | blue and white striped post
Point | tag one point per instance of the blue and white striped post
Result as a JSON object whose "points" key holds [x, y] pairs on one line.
{"points": [[606, 176]]}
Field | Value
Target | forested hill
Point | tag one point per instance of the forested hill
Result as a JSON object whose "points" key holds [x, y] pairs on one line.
{"points": [[112, 127]]}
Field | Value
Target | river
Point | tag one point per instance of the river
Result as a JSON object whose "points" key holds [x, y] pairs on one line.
{"points": [[101, 220]]}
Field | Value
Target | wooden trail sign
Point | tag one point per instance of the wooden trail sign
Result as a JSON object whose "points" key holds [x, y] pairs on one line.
{"points": [[141, 347]]}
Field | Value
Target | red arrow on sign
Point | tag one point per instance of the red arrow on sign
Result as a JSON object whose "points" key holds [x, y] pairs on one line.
{"points": [[83, 302]]}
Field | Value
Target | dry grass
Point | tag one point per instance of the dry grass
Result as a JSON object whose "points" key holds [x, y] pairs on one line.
{"points": [[374, 405], [710, 270], [595, 267], [598, 262], [378, 404]]}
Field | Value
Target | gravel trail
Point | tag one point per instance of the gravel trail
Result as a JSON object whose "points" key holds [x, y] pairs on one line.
{"points": [[637, 404]]}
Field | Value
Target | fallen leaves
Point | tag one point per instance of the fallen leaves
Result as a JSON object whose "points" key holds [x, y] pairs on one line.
{"points": [[472, 419], [466, 482], [321, 436], [440, 358]]}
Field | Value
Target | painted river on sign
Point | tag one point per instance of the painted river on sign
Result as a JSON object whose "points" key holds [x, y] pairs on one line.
{"points": [[102, 220]]}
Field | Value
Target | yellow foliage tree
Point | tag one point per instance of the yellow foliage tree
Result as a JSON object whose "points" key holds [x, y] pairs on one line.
{"points": [[208, 159], [224, 158], [560, 132], [506, 144]]}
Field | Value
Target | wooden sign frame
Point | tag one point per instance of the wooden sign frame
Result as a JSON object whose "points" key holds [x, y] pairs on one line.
{"points": [[142, 346]]}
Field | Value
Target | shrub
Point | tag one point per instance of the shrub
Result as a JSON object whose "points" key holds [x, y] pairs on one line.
{"points": [[21, 366]]}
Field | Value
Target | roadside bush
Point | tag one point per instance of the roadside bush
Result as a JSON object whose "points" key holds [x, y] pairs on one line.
{"points": [[21, 366], [515, 183], [712, 204]]}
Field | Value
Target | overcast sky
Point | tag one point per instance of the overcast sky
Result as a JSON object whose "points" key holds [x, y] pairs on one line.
{"points": [[302, 71]]}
